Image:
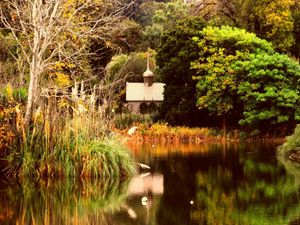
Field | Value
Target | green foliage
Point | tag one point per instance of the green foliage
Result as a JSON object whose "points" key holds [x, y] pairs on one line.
{"points": [[126, 120], [269, 89], [163, 19], [146, 11], [275, 22], [178, 107], [292, 142], [10, 101], [239, 74], [130, 67], [114, 67], [217, 77], [67, 139]]}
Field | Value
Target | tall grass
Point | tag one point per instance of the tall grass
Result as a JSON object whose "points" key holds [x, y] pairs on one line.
{"points": [[127, 120], [68, 137], [167, 134]]}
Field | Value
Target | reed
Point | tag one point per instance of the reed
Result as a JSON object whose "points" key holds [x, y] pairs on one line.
{"points": [[68, 138], [164, 133]]}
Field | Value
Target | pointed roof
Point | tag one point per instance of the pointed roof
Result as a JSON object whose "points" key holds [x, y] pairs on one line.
{"points": [[148, 72]]}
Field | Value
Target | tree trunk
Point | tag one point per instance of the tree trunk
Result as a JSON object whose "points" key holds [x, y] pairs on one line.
{"points": [[35, 62], [31, 95]]}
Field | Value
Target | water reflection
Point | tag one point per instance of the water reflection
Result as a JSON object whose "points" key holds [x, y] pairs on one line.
{"points": [[61, 202], [240, 184], [223, 184]]}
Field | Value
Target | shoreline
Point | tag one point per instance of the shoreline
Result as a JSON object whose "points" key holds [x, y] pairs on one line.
{"points": [[194, 139]]}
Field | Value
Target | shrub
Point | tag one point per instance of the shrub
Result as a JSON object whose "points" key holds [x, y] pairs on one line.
{"points": [[292, 142], [126, 120]]}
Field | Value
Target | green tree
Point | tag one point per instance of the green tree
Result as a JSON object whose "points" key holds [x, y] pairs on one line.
{"points": [[173, 58], [240, 75], [163, 19], [273, 20], [269, 89], [217, 77]]}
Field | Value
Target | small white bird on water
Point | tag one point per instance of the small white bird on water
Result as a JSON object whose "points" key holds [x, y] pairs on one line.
{"points": [[144, 166], [132, 130]]}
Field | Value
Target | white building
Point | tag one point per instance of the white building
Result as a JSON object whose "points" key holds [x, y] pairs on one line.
{"points": [[147, 92]]}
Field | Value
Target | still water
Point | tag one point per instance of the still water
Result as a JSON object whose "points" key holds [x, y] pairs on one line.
{"points": [[241, 184]]}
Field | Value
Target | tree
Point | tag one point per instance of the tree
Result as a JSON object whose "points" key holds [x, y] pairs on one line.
{"points": [[56, 30], [240, 76], [123, 38], [217, 78], [271, 19], [269, 89], [296, 47], [173, 58], [163, 19]]}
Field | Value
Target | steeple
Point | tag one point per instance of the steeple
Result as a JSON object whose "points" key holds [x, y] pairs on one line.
{"points": [[148, 74]]}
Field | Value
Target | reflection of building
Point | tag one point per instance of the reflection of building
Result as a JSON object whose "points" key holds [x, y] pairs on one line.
{"points": [[147, 93], [149, 184], [147, 187]]}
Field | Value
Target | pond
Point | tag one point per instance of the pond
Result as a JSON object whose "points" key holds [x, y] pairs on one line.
{"points": [[240, 184]]}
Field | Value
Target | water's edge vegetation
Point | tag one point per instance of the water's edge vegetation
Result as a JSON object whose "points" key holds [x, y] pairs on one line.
{"points": [[164, 133], [66, 138], [290, 150]]}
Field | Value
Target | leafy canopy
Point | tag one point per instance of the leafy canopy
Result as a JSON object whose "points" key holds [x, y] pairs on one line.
{"points": [[219, 49], [239, 74], [173, 58]]}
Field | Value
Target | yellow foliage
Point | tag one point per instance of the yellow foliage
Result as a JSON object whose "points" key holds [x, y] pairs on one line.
{"points": [[9, 92], [62, 80]]}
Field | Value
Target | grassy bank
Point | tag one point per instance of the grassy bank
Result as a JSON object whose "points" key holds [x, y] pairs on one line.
{"points": [[68, 137], [163, 133], [291, 145]]}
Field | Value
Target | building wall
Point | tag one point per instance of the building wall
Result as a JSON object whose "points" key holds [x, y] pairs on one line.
{"points": [[134, 107]]}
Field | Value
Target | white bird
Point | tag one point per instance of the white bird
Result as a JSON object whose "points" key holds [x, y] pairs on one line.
{"points": [[144, 200], [144, 166], [132, 130]]}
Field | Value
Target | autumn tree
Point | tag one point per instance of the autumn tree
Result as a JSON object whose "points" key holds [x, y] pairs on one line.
{"points": [[271, 20], [56, 30]]}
